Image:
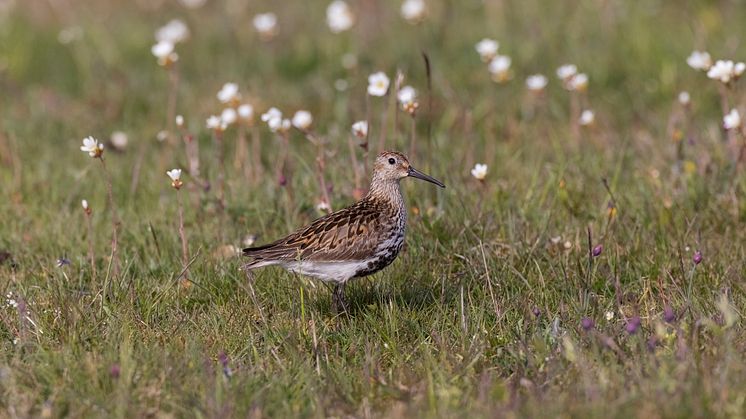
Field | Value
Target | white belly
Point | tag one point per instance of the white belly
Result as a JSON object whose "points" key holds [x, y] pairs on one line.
{"points": [[335, 272]]}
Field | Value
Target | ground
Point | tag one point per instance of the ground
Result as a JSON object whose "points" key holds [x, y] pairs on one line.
{"points": [[596, 270]]}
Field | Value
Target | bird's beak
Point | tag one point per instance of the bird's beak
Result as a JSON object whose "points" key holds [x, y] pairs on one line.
{"points": [[419, 175]]}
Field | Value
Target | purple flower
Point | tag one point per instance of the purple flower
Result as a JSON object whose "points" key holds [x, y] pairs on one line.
{"points": [[223, 358], [632, 325], [114, 371], [697, 258], [62, 262], [282, 180], [596, 252], [536, 312], [668, 314], [652, 343], [587, 323]]}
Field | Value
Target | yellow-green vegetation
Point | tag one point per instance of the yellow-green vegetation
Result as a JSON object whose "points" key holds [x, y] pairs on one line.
{"points": [[596, 270]]}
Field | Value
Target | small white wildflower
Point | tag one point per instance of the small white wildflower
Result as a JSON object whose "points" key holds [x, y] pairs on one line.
{"points": [[479, 171], [684, 98], [266, 25], [175, 175], [179, 121], [499, 67], [360, 129], [566, 72], [732, 120], [323, 207], [699, 60], [119, 140], [302, 120], [339, 17], [378, 84], [164, 52], [213, 122], [738, 69], [407, 97], [723, 70], [487, 49], [413, 11], [246, 112], [229, 93], [228, 116], [609, 315], [174, 32], [536, 82], [272, 113], [587, 117], [84, 203], [579, 82], [92, 147], [279, 124]]}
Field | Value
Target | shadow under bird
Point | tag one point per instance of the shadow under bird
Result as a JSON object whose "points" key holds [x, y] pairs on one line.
{"points": [[353, 242]]}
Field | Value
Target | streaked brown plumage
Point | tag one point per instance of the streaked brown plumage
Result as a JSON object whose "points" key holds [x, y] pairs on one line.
{"points": [[355, 241]]}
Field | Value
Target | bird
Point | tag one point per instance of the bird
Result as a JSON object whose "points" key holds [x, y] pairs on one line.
{"points": [[355, 241]]}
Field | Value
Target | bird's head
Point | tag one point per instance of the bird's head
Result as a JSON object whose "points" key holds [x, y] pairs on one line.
{"points": [[393, 166]]}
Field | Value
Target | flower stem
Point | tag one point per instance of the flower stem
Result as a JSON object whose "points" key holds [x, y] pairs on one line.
{"points": [[114, 221], [182, 235], [353, 160], [173, 76], [256, 151], [218, 138], [413, 138], [91, 255]]}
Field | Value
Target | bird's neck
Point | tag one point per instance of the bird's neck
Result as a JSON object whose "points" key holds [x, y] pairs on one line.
{"points": [[386, 192]]}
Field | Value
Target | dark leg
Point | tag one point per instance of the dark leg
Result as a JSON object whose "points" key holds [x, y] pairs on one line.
{"points": [[339, 305]]}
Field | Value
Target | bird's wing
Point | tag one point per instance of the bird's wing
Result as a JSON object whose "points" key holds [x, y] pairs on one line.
{"points": [[351, 233]]}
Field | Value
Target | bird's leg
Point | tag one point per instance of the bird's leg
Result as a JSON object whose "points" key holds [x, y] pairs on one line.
{"points": [[339, 305]]}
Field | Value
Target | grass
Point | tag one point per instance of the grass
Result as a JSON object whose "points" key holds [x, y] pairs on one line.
{"points": [[480, 314]]}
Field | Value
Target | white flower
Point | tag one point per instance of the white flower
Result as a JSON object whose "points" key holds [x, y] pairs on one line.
{"points": [[214, 122], [228, 116], [587, 118], [323, 207], [499, 67], [272, 113], [192, 4], [487, 49], [722, 70], [684, 98], [119, 140], [566, 72], [479, 171], [732, 120], [174, 174], [246, 112], [360, 129], [302, 120], [578, 82], [407, 97], [265, 24], [92, 147], [413, 11], [739, 69], [229, 93], [84, 203], [699, 60], [339, 16], [378, 84], [609, 315], [279, 124], [536, 82], [164, 52], [179, 121], [174, 32]]}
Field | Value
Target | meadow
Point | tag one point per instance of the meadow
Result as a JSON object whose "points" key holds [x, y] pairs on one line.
{"points": [[587, 258]]}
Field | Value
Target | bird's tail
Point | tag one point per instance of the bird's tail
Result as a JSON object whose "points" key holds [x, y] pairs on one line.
{"points": [[269, 254]]}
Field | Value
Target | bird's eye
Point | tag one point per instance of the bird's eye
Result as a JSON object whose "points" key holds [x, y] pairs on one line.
{"points": [[392, 161]]}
